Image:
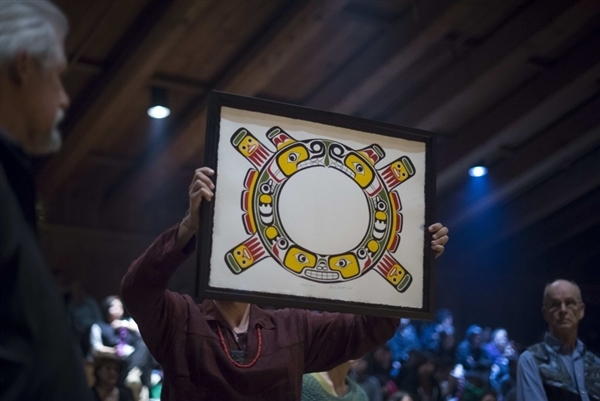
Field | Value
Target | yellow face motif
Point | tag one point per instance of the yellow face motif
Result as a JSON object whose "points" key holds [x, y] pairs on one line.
{"points": [[297, 259], [400, 171], [248, 145], [243, 256], [288, 160], [396, 274], [363, 173], [346, 264]]}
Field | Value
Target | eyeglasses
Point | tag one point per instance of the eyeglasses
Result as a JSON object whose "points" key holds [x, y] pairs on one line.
{"points": [[555, 305]]}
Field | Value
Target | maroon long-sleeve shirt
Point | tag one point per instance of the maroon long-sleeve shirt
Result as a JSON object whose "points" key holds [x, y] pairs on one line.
{"points": [[183, 336]]}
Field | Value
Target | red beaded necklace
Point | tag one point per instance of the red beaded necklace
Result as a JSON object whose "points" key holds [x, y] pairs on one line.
{"points": [[226, 349]]}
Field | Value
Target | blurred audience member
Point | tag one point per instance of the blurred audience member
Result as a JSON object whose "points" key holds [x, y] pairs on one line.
{"points": [[405, 340], [495, 348], [447, 346], [476, 385], [431, 336], [106, 381], [360, 372], [420, 379], [381, 368], [508, 383], [83, 312], [334, 384], [448, 383], [120, 338], [470, 352]]}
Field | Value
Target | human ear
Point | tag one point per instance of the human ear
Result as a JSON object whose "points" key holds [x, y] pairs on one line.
{"points": [[21, 68], [581, 310]]}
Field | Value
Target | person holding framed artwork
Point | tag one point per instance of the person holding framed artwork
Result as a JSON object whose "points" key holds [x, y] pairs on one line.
{"points": [[235, 350]]}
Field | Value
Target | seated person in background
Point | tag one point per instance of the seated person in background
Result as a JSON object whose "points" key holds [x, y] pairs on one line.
{"points": [[470, 353], [234, 350], [419, 378], [495, 348], [332, 385], [106, 381], [476, 384], [431, 335], [508, 383], [500, 352], [120, 338], [560, 367], [405, 340], [83, 312], [360, 371], [447, 347]]}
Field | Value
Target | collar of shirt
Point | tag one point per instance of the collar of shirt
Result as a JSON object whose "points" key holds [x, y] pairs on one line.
{"points": [[258, 317], [557, 347]]}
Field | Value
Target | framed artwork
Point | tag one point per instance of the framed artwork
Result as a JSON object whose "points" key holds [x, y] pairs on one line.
{"points": [[316, 210]]}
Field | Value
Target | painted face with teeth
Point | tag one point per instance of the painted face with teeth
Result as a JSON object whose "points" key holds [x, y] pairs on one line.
{"points": [[243, 256], [346, 264], [289, 159], [363, 172], [298, 259], [396, 274], [248, 145], [401, 171]]}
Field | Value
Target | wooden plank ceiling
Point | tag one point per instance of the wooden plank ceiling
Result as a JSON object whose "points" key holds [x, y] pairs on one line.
{"points": [[510, 83]]}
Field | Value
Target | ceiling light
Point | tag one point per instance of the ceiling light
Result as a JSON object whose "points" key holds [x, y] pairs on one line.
{"points": [[158, 106], [478, 171]]}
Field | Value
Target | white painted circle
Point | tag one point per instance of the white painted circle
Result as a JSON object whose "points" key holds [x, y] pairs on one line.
{"points": [[323, 210]]}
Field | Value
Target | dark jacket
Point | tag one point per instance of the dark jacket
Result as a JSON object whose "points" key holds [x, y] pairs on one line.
{"points": [[184, 339], [38, 359]]}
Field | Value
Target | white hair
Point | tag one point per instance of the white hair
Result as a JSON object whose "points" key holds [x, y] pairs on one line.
{"points": [[36, 27]]}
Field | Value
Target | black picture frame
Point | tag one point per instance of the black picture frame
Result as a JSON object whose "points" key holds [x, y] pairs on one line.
{"points": [[203, 290]]}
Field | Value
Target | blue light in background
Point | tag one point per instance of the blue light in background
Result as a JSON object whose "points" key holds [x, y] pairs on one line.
{"points": [[478, 171]]}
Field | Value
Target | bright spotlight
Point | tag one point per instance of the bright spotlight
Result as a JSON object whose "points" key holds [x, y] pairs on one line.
{"points": [[159, 112], [159, 107], [478, 171]]}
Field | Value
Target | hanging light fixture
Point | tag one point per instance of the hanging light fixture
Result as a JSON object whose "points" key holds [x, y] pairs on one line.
{"points": [[478, 171], [158, 107]]}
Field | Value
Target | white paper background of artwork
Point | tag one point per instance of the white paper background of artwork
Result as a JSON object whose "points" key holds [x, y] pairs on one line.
{"points": [[267, 275]]}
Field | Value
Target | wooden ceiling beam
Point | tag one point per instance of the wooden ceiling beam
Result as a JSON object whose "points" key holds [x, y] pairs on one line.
{"points": [[560, 227], [263, 60], [552, 94], [417, 41], [564, 187], [370, 61], [493, 68], [536, 160], [119, 84], [160, 80]]}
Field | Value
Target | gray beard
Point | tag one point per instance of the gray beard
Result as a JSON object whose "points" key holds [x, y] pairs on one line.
{"points": [[49, 143]]}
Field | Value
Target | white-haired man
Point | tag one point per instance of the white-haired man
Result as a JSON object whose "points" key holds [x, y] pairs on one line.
{"points": [[38, 359], [559, 368]]}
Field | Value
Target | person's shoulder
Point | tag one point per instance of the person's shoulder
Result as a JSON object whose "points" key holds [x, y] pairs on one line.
{"points": [[527, 358]]}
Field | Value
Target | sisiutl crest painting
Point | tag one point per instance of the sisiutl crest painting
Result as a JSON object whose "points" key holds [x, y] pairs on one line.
{"points": [[268, 237], [315, 210]]}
